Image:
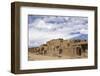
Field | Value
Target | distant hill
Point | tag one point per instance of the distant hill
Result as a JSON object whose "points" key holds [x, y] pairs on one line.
{"points": [[81, 37]]}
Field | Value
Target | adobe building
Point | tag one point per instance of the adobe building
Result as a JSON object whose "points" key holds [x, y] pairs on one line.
{"points": [[61, 48]]}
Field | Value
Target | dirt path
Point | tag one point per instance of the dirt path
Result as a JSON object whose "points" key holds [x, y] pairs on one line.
{"points": [[32, 56]]}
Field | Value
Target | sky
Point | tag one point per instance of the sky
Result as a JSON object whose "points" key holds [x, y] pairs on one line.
{"points": [[45, 28]]}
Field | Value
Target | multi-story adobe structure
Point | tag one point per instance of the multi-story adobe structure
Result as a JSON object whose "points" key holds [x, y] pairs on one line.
{"points": [[60, 47]]}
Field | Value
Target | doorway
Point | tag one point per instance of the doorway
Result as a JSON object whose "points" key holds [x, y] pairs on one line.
{"points": [[78, 51]]}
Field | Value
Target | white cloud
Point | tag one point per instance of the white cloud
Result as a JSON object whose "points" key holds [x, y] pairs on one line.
{"points": [[40, 31], [84, 31]]}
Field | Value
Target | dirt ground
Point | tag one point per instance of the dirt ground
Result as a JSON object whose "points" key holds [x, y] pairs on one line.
{"points": [[34, 57]]}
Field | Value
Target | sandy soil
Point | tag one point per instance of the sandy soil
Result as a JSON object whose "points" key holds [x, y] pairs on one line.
{"points": [[32, 57]]}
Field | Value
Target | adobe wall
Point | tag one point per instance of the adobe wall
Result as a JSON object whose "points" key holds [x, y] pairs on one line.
{"points": [[60, 47]]}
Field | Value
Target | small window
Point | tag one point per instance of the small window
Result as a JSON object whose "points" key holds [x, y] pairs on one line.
{"points": [[68, 44], [57, 46], [42, 48]]}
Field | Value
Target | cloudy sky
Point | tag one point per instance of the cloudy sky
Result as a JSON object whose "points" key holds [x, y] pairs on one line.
{"points": [[45, 28]]}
